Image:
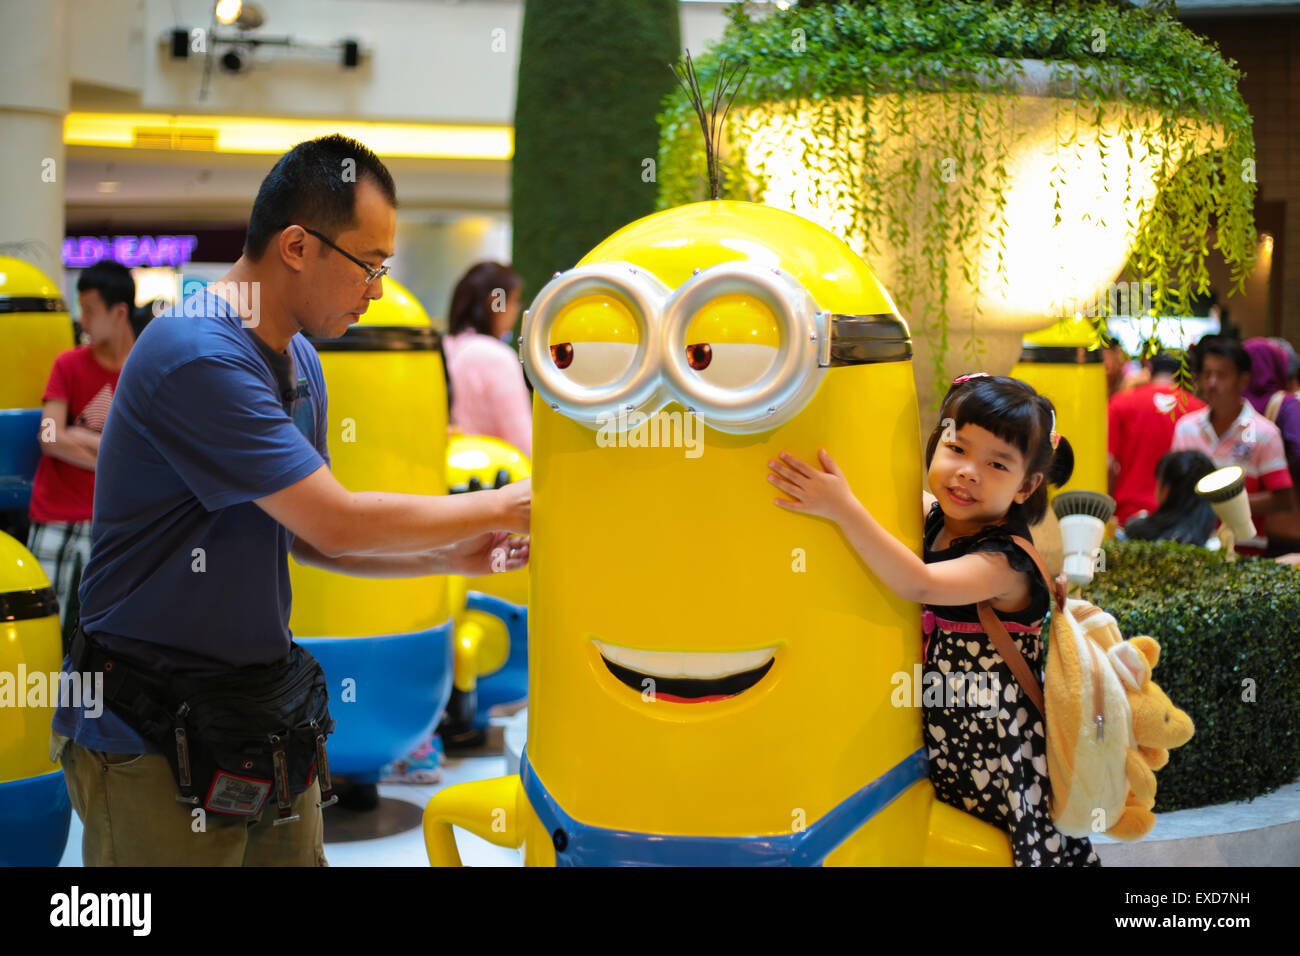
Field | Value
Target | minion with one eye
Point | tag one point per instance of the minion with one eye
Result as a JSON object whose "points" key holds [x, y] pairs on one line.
{"points": [[712, 681]]}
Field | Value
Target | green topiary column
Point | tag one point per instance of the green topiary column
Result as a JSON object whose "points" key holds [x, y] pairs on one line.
{"points": [[591, 78]]}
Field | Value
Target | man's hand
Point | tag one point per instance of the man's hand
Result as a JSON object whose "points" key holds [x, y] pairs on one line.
{"points": [[516, 501], [489, 553]]}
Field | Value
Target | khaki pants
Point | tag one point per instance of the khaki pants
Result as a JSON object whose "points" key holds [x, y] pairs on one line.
{"points": [[127, 803]]}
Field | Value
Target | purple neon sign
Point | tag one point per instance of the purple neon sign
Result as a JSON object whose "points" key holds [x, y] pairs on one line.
{"points": [[131, 251]]}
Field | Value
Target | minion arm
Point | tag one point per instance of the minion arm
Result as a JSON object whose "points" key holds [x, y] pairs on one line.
{"points": [[486, 808]]}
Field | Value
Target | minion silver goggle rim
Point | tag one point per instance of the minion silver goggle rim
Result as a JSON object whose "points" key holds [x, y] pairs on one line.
{"points": [[659, 372]]}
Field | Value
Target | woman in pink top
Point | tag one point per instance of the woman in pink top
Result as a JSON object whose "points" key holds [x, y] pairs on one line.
{"points": [[488, 393]]}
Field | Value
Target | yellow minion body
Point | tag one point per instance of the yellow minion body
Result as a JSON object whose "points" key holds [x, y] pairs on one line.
{"points": [[1058, 363], [705, 670], [34, 808]]}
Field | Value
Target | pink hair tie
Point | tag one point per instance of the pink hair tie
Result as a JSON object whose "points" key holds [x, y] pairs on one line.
{"points": [[968, 376]]}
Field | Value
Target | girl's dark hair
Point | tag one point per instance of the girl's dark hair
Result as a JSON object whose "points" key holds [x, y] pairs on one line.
{"points": [[470, 301], [1185, 516], [1018, 415]]}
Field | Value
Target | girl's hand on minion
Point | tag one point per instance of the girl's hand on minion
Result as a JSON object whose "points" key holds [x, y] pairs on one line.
{"points": [[825, 493]]}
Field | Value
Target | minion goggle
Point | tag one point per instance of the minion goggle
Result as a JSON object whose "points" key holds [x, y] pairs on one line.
{"points": [[637, 338]]}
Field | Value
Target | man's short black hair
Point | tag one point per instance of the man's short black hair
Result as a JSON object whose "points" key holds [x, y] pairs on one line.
{"points": [[1224, 346], [1165, 363], [112, 281], [314, 185]]}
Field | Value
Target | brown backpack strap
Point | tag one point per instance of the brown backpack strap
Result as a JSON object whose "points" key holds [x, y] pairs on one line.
{"points": [[1005, 646], [1003, 642], [1274, 406]]}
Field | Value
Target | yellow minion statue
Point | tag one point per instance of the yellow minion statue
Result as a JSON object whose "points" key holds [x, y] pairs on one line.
{"points": [[710, 680]]}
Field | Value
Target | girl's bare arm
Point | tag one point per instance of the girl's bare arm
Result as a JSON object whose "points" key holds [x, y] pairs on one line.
{"points": [[972, 578], [965, 580]]}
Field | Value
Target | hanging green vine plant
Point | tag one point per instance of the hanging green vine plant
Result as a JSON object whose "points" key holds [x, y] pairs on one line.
{"points": [[911, 125]]}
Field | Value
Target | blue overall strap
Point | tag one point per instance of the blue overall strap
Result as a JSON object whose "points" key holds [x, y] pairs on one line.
{"points": [[580, 844]]}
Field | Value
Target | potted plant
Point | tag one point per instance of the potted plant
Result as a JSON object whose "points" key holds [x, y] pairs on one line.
{"points": [[998, 162]]}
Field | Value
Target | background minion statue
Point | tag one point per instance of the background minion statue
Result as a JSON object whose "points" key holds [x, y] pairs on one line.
{"points": [[710, 678], [490, 612], [384, 643]]}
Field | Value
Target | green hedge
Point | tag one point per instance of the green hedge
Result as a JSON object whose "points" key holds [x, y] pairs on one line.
{"points": [[1220, 626], [591, 76]]}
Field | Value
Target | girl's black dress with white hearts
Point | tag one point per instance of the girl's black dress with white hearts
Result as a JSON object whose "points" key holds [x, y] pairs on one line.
{"points": [[993, 766]]}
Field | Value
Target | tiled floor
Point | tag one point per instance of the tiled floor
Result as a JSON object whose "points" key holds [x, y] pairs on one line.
{"points": [[407, 849], [1204, 836]]}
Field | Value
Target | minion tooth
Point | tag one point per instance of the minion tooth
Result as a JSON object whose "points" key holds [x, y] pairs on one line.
{"points": [[707, 666]]}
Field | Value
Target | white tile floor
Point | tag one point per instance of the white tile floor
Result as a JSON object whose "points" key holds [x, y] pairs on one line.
{"points": [[407, 849], [404, 849], [1179, 838]]}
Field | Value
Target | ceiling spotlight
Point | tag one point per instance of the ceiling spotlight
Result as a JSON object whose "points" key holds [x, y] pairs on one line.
{"points": [[228, 11], [245, 16]]}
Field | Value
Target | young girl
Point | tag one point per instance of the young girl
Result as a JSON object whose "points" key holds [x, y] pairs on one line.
{"points": [[989, 460]]}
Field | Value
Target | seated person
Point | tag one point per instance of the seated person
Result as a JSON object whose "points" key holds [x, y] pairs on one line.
{"points": [[1232, 432], [1181, 514]]}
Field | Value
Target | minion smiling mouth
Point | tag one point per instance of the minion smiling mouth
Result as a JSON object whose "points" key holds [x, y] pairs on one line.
{"points": [[687, 678]]}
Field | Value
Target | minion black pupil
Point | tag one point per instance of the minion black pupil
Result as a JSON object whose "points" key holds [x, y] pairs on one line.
{"points": [[699, 356], [562, 354]]}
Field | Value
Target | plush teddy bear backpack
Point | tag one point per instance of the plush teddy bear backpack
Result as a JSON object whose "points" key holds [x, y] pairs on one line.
{"points": [[1109, 726]]}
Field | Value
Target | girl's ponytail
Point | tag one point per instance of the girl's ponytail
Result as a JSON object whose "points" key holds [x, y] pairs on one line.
{"points": [[1056, 465], [1062, 466]]}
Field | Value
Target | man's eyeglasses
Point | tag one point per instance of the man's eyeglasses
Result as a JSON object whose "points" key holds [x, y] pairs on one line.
{"points": [[371, 273]]}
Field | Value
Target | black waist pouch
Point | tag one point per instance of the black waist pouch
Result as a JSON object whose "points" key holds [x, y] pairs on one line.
{"points": [[234, 739]]}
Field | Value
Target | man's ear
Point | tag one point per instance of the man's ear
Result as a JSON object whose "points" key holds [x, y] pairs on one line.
{"points": [[291, 244], [1029, 487]]}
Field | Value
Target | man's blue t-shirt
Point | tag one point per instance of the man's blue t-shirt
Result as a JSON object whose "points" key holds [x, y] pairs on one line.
{"points": [[186, 572]]}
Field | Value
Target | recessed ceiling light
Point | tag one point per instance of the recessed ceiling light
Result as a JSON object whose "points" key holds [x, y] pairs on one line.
{"points": [[108, 186]]}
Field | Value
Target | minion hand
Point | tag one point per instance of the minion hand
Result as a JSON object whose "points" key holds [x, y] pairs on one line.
{"points": [[825, 493]]}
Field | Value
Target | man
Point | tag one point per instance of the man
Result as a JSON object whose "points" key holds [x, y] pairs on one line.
{"points": [[1141, 428], [216, 468], [1231, 432], [76, 403]]}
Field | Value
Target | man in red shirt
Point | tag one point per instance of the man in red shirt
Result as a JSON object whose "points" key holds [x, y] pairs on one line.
{"points": [[1141, 429], [76, 403]]}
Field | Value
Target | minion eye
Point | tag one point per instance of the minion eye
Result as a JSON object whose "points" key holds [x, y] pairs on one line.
{"points": [[562, 354], [732, 341], [594, 340], [699, 356]]}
